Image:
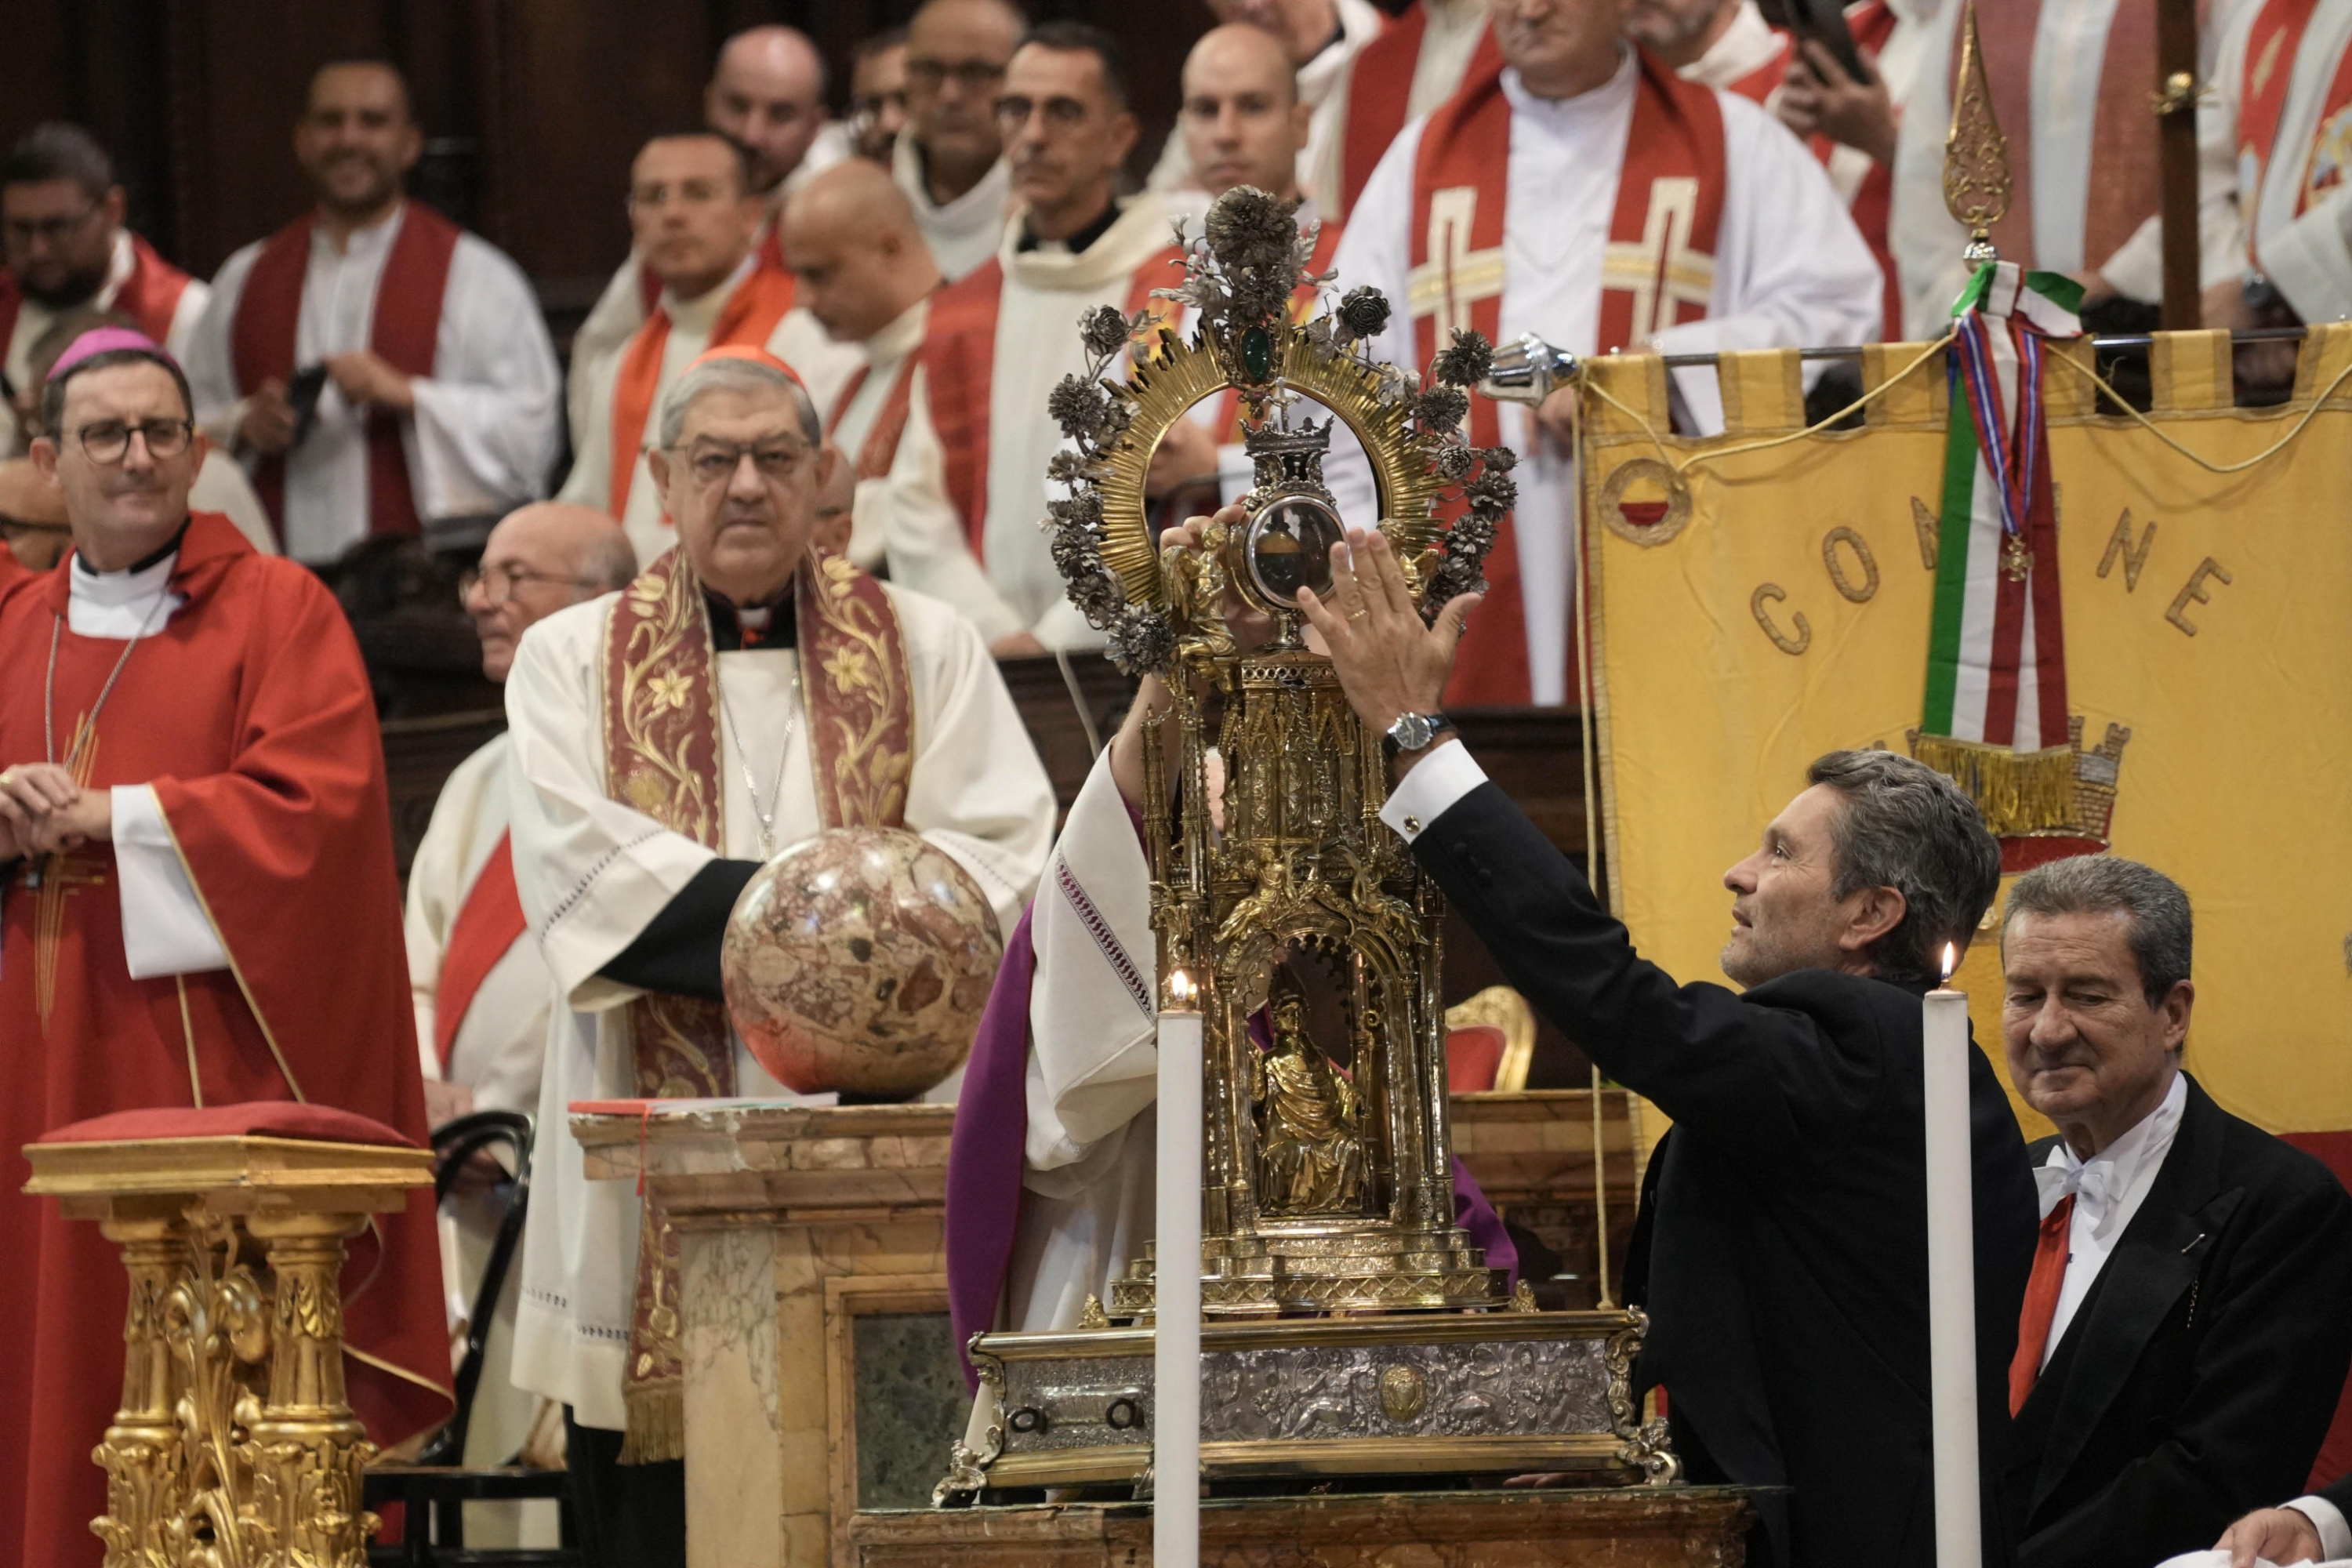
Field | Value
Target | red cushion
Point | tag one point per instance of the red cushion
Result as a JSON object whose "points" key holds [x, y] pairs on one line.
{"points": [[258, 1119], [1473, 1055]]}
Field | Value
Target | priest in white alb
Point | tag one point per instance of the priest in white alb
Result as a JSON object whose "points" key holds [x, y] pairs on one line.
{"points": [[2070, 85], [376, 367], [969, 487], [767, 92], [949, 159], [1589, 195], [742, 695], [1418, 61], [866, 275], [697, 218]]}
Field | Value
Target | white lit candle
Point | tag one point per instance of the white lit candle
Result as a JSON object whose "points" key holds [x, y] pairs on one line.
{"points": [[1951, 1274], [1176, 1340]]}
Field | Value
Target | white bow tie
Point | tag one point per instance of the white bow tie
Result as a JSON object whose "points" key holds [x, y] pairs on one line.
{"points": [[2091, 1185]]}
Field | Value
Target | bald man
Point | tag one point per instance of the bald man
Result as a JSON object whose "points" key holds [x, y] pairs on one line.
{"points": [[766, 91], [864, 272], [949, 161], [34, 533], [1321, 40]]}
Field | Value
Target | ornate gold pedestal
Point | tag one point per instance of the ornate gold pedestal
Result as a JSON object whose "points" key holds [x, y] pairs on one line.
{"points": [[235, 1443], [820, 1368]]}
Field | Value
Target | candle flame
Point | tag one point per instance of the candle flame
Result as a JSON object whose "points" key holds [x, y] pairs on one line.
{"points": [[1180, 988], [1951, 960]]}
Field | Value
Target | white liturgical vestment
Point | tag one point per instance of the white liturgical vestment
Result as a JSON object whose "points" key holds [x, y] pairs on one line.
{"points": [[962, 233], [1790, 271], [593, 872], [486, 427], [1047, 289], [853, 415]]}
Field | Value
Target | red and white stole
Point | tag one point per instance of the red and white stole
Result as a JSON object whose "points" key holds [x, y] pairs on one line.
{"points": [[150, 296], [747, 319], [960, 372], [661, 756], [880, 448], [1379, 88], [489, 921], [1659, 271], [2124, 189], [2272, 49], [406, 331], [770, 250]]}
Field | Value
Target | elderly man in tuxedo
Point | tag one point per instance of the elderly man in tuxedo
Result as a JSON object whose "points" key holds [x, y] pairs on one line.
{"points": [[2185, 1334]]}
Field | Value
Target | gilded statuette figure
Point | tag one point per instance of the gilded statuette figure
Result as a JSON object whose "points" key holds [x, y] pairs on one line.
{"points": [[1310, 1158]]}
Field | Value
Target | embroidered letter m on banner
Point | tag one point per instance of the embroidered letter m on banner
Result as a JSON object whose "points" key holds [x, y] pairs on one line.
{"points": [[1661, 271]]}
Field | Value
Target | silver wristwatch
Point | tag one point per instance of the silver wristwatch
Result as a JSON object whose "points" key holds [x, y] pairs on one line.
{"points": [[1415, 732]]}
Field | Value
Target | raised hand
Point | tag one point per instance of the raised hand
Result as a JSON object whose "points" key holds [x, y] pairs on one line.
{"points": [[1388, 660]]}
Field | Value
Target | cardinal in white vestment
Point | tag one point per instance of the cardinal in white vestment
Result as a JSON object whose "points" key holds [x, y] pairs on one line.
{"points": [[866, 274], [377, 367], [949, 159], [1321, 40], [767, 92], [793, 693], [696, 221], [2284, 110], [1585, 194], [969, 487], [2070, 82]]}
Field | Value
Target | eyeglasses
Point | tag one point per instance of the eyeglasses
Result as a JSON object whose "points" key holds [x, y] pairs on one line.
{"points": [[24, 231], [109, 440], [499, 584], [970, 75], [1060, 113], [715, 463]]}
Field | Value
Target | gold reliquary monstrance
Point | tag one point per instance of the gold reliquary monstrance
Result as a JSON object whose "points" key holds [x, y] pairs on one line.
{"points": [[1350, 1325]]}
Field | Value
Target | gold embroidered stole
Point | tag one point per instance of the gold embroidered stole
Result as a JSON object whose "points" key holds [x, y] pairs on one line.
{"points": [[662, 757]]}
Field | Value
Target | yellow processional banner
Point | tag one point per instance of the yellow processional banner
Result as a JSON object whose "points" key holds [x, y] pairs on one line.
{"points": [[1753, 603]]}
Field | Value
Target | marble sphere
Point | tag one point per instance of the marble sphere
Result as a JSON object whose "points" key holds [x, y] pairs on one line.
{"points": [[859, 960]]}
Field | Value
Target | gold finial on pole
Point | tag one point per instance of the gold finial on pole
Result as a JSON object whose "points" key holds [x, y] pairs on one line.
{"points": [[1976, 155]]}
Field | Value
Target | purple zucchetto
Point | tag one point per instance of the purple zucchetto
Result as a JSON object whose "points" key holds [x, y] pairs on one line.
{"points": [[108, 339]]}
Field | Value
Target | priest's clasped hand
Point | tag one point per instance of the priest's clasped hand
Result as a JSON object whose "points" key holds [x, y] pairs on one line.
{"points": [[43, 812], [1389, 661]]}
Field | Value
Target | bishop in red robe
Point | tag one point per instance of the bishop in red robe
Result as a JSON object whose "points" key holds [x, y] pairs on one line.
{"points": [[197, 908]]}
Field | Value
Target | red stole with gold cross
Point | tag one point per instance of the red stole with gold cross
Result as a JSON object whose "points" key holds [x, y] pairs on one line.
{"points": [[661, 756], [1659, 271]]}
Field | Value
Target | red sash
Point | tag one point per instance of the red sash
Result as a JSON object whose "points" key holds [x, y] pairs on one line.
{"points": [[747, 319], [880, 446], [1758, 85], [150, 296], [2272, 47], [1659, 272], [960, 372], [488, 922], [661, 756], [1380, 85], [406, 331]]}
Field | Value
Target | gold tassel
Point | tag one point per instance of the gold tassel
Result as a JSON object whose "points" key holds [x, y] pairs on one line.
{"points": [[656, 1432], [2019, 791]]}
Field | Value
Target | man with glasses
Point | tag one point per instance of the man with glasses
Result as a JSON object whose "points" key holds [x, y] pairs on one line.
{"points": [[697, 218], [966, 488], [62, 236], [766, 93], [482, 990], [743, 694], [949, 162], [375, 366], [197, 904]]}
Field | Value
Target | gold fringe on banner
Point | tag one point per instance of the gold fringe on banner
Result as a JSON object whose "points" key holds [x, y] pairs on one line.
{"points": [[657, 1431], [2019, 791]]}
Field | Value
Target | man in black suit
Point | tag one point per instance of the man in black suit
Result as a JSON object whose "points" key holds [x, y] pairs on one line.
{"points": [[2186, 1330], [1781, 1247]]}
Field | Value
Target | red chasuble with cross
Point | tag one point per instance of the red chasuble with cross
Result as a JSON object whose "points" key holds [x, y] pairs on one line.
{"points": [[249, 714], [1659, 271]]}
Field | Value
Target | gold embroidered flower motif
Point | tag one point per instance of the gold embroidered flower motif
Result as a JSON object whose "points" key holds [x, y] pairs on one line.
{"points": [[669, 690], [649, 590], [849, 670]]}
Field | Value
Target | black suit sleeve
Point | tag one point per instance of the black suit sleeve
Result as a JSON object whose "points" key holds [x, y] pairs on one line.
{"points": [[2262, 1387], [678, 949], [2339, 1493], [1789, 1070]]}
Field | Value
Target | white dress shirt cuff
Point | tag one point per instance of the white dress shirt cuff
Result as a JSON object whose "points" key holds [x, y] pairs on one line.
{"points": [[165, 928], [2335, 1534], [1430, 790]]}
